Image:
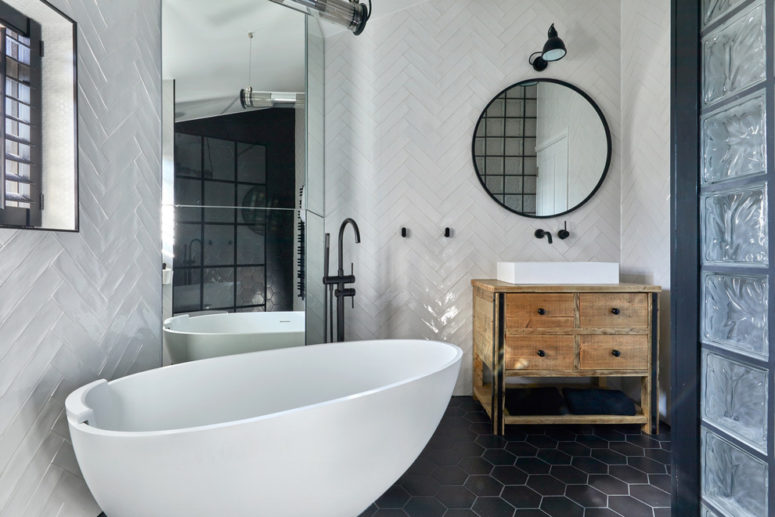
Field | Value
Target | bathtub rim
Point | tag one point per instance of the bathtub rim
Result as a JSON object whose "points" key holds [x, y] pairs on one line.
{"points": [[166, 329], [78, 396]]}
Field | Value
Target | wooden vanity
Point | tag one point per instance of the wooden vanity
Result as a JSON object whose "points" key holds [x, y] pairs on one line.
{"points": [[581, 331]]}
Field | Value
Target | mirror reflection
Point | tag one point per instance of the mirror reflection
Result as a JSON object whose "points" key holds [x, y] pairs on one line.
{"points": [[541, 148], [239, 197]]}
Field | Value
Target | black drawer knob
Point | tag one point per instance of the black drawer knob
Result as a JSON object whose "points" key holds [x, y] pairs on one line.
{"points": [[614, 311], [541, 353], [541, 312], [615, 353]]}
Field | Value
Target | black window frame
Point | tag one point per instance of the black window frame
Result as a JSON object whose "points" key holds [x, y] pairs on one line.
{"points": [[17, 216]]}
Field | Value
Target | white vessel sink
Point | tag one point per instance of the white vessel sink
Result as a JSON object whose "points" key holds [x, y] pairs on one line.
{"points": [[554, 273]]}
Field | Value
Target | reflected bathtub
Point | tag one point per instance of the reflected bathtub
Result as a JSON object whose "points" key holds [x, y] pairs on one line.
{"points": [[313, 431], [193, 337]]}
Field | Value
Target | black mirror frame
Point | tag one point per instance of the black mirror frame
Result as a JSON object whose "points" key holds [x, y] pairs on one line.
{"points": [[605, 128]]}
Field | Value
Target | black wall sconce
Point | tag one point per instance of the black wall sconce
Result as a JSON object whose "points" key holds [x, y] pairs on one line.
{"points": [[554, 50]]}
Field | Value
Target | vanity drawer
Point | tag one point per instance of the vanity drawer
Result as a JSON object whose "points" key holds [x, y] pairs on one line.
{"points": [[539, 311], [539, 353], [613, 353], [617, 310]]}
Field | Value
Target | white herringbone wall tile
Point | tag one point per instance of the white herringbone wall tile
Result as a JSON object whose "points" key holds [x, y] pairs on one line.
{"points": [[402, 101], [646, 157], [75, 307]]}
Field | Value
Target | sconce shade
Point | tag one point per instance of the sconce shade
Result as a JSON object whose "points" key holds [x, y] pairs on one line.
{"points": [[554, 48]]}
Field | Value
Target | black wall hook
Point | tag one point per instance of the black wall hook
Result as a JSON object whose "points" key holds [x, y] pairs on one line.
{"points": [[447, 232], [404, 232]]}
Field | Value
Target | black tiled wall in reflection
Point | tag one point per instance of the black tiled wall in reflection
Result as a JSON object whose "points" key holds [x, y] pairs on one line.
{"points": [[230, 257]]}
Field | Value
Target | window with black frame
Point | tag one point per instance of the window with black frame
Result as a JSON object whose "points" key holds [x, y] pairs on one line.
{"points": [[21, 200]]}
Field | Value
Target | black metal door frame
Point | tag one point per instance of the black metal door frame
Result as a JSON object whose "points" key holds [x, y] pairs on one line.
{"points": [[685, 257]]}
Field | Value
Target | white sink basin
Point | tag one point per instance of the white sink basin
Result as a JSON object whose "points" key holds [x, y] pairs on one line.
{"points": [[555, 273]]}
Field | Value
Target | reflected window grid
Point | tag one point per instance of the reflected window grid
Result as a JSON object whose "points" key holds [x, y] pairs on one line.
{"points": [[502, 150], [208, 279]]}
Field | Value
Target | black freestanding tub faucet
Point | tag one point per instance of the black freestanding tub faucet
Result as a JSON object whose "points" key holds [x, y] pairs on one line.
{"points": [[338, 284]]}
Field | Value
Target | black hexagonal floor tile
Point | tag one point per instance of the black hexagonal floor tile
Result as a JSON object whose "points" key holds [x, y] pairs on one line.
{"points": [[593, 442], [521, 496], [493, 507], [569, 475], [608, 484], [467, 448], [533, 465], [443, 457], [626, 448], [554, 457], [509, 475], [491, 442], [561, 433], [453, 475], [590, 465], [628, 474], [610, 457], [574, 448], [650, 495], [499, 457], [610, 434], [368, 512], [419, 484], [586, 496], [424, 507], [541, 441], [460, 512], [475, 465], [522, 449], [644, 441], [483, 485], [661, 481], [394, 497], [628, 506], [389, 512], [534, 471], [660, 455], [455, 497], [646, 465], [600, 512], [477, 416], [546, 485], [561, 506]]}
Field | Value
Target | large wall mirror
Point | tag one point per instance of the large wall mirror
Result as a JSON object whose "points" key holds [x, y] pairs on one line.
{"points": [[541, 148], [243, 182]]}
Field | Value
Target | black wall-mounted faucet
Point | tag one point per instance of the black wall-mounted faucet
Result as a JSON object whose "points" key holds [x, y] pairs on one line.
{"points": [[540, 234]]}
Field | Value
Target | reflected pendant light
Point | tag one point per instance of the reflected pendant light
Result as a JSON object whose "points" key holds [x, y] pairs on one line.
{"points": [[554, 50], [349, 13]]}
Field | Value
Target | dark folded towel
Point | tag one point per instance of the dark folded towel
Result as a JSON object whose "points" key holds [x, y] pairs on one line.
{"points": [[535, 401], [598, 402]]}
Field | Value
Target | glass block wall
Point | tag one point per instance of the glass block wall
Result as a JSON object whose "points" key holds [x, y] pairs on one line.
{"points": [[736, 402]]}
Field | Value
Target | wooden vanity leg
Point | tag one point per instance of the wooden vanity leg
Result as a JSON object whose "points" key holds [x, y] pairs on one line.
{"points": [[645, 402]]}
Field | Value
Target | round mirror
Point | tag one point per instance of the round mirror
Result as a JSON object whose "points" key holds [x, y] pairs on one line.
{"points": [[541, 148]]}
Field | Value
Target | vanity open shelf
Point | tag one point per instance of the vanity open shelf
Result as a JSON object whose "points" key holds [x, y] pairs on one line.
{"points": [[565, 331]]}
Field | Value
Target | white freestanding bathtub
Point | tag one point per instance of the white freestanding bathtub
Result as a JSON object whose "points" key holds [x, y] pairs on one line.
{"points": [[189, 338], [317, 431]]}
